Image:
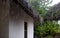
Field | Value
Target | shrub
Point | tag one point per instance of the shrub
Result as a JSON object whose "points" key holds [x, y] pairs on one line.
{"points": [[47, 28]]}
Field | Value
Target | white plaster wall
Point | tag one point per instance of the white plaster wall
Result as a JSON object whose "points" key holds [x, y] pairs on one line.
{"points": [[30, 29], [16, 26], [16, 29], [30, 24]]}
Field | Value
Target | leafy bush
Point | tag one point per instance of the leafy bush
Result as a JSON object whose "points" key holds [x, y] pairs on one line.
{"points": [[47, 28]]}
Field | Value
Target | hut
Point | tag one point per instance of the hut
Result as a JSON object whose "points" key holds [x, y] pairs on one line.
{"points": [[17, 19]]}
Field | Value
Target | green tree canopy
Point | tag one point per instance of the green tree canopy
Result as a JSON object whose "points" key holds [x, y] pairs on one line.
{"points": [[53, 13], [41, 5], [48, 28]]}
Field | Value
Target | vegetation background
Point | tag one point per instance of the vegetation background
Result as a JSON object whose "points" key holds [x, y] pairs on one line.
{"points": [[45, 28]]}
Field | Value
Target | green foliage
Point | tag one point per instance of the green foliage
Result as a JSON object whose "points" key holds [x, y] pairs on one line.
{"points": [[40, 5], [47, 28], [54, 11]]}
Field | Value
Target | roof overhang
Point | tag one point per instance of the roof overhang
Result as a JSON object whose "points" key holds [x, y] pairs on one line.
{"points": [[27, 8]]}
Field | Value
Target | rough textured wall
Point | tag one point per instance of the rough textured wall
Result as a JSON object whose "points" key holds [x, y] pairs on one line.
{"points": [[16, 26], [16, 23], [4, 14]]}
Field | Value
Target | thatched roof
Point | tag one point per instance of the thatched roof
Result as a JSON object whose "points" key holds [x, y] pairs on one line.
{"points": [[27, 8], [53, 13]]}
